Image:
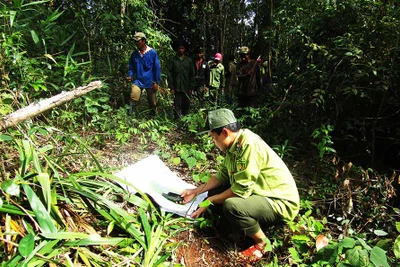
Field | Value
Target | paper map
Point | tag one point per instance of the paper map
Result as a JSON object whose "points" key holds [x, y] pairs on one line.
{"points": [[153, 177]]}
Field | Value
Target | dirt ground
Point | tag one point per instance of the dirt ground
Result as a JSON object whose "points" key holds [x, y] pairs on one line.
{"points": [[196, 248]]}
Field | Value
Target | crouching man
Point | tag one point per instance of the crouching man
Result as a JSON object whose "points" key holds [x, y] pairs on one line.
{"points": [[258, 188]]}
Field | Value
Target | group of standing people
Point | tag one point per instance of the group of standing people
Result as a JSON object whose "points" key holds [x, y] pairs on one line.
{"points": [[197, 77], [253, 187]]}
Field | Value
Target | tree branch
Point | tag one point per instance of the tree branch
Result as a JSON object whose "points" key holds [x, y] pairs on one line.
{"points": [[36, 108]]}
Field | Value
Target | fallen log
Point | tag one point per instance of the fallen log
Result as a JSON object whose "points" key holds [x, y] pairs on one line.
{"points": [[34, 109]]}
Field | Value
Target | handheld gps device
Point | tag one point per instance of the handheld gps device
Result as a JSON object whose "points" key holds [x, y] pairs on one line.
{"points": [[173, 197]]}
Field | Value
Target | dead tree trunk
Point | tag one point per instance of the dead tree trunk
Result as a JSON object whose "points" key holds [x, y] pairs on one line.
{"points": [[44, 105]]}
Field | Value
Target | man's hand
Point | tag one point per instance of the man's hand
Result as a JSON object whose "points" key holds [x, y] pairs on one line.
{"points": [[198, 213], [129, 78], [155, 87], [188, 195]]}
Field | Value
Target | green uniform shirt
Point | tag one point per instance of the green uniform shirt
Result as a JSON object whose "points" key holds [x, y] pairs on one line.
{"points": [[181, 74], [251, 167], [217, 75]]}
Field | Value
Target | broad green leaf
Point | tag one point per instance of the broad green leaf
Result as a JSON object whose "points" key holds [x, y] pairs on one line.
{"points": [[26, 245], [384, 244], [191, 161], [36, 162], [44, 181], [176, 160], [295, 255], [11, 187], [41, 214], [34, 36], [357, 256], [301, 237], [398, 226], [378, 257], [268, 246], [205, 203], [328, 254], [6, 137], [365, 245], [25, 156], [33, 253], [380, 232], [347, 242], [396, 247], [146, 227]]}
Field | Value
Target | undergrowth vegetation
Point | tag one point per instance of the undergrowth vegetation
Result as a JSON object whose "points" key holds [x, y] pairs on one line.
{"points": [[61, 205]]}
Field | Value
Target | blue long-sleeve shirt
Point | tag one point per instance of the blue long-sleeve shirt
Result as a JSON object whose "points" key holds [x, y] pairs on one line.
{"points": [[145, 68]]}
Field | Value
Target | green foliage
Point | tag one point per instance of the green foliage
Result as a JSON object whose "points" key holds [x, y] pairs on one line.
{"points": [[396, 245], [284, 150], [39, 203], [351, 252], [194, 158], [347, 251], [195, 121], [324, 139]]}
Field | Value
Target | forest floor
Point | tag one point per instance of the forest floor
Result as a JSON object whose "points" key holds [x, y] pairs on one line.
{"points": [[198, 248]]}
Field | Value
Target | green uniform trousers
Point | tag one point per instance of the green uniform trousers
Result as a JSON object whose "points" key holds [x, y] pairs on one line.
{"points": [[247, 215]]}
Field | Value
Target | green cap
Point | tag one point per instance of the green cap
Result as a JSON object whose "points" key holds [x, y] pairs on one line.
{"points": [[218, 118]]}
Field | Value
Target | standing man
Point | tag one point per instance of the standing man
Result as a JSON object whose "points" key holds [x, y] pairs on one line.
{"points": [[181, 79], [144, 73], [231, 80], [201, 75], [253, 185], [217, 79], [249, 79]]}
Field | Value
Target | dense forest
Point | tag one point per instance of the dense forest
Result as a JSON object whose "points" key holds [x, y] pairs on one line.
{"points": [[329, 106]]}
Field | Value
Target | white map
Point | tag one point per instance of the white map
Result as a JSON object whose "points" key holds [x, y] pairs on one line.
{"points": [[153, 177]]}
